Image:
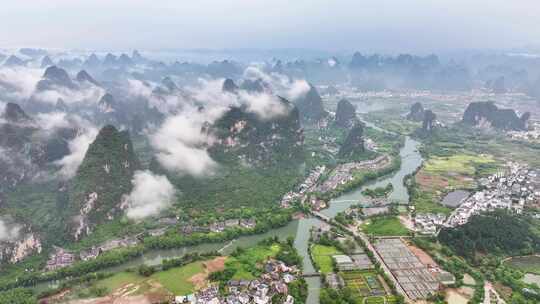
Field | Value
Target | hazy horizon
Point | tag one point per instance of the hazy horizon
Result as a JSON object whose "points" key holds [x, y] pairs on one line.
{"points": [[418, 26]]}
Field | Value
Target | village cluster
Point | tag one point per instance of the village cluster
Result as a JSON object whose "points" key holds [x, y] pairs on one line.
{"points": [[218, 227], [429, 223], [343, 173], [274, 281], [304, 188], [512, 189], [62, 258], [531, 135]]}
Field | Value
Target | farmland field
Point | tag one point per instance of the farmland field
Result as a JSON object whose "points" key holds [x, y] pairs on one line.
{"points": [[384, 226], [442, 174], [529, 264], [322, 256], [245, 264], [177, 280], [374, 300], [365, 286], [120, 279]]}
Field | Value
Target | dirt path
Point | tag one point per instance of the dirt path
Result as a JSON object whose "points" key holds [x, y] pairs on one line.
{"points": [[124, 294], [387, 288], [424, 258], [216, 264], [112, 300], [56, 297], [489, 292], [407, 222], [200, 279]]}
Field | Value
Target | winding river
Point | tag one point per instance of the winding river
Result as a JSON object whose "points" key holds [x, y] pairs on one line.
{"points": [[299, 229]]}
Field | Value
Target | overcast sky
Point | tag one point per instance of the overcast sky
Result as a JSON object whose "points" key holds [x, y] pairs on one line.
{"points": [[404, 25]]}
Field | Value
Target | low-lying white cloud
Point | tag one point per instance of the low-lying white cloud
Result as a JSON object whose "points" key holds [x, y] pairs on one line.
{"points": [[165, 103], [150, 195], [88, 94], [77, 146], [53, 120], [181, 143], [266, 106], [8, 232], [18, 83], [280, 84], [210, 94], [138, 88], [298, 88]]}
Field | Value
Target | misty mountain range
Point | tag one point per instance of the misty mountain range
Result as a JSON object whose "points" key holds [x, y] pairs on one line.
{"points": [[498, 73], [99, 129]]}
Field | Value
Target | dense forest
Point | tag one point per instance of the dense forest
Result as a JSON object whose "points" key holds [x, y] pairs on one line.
{"points": [[496, 233]]}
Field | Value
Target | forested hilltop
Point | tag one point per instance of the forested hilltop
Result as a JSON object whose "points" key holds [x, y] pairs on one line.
{"points": [[499, 233]]}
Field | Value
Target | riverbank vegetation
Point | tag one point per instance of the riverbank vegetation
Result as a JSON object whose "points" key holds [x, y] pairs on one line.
{"points": [[185, 275], [378, 192], [385, 144], [18, 276], [280, 217], [193, 208], [18, 296], [361, 177], [162, 280]]}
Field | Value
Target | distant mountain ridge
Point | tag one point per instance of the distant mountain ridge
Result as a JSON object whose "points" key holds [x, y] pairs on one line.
{"points": [[417, 112], [345, 114], [354, 142], [311, 106], [26, 148], [487, 114]]}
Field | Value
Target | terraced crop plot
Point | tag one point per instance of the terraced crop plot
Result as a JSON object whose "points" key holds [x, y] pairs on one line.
{"points": [[374, 300], [359, 285], [363, 284], [391, 300], [372, 282]]}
